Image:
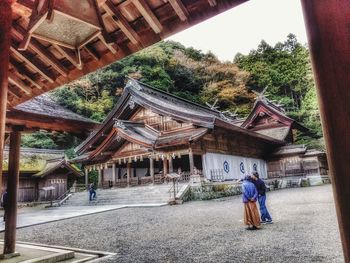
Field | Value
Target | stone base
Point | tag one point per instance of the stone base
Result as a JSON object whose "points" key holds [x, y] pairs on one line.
{"points": [[8, 256]]}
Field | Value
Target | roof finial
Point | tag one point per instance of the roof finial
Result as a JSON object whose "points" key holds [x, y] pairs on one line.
{"points": [[213, 106], [132, 83], [261, 95]]}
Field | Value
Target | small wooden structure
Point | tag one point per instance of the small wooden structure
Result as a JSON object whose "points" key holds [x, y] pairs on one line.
{"points": [[41, 168]]}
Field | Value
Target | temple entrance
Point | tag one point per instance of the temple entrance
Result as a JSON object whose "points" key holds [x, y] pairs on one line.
{"points": [[137, 172]]}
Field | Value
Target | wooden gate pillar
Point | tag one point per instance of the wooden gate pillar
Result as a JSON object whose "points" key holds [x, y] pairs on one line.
{"points": [[128, 173], [5, 33], [191, 157], [328, 23], [151, 168], [12, 186], [114, 178], [99, 177], [165, 166], [171, 168], [86, 171]]}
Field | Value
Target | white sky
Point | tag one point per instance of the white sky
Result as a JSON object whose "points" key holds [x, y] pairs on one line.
{"points": [[242, 28]]}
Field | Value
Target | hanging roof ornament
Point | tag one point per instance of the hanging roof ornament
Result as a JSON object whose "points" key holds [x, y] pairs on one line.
{"points": [[69, 24]]}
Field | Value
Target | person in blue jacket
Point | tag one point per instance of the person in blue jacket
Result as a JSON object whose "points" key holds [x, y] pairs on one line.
{"points": [[250, 196]]}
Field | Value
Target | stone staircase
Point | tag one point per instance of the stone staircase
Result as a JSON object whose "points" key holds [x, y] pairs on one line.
{"points": [[139, 195]]}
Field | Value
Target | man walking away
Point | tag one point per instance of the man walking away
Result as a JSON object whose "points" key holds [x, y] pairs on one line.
{"points": [[249, 196], [4, 203], [261, 187], [92, 192]]}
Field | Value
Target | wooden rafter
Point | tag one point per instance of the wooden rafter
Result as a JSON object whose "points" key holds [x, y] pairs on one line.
{"points": [[121, 22], [212, 3], [93, 52], [14, 93], [70, 56], [180, 9], [149, 16], [32, 63], [13, 79], [109, 46], [20, 68]]}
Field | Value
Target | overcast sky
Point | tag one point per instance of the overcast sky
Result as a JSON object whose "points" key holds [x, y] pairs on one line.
{"points": [[242, 28]]}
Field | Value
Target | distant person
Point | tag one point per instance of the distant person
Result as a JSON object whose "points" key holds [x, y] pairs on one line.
{"points": [[261, 187], [4, 203], [92, 192], [250, 196]]}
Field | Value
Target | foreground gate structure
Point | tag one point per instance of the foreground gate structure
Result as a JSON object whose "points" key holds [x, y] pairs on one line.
{"points": [[33, 63]]}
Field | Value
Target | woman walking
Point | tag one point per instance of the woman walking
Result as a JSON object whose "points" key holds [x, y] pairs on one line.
{"points": [[250, 196]]}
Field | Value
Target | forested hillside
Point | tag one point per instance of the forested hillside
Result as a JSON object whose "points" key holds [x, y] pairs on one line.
{"points": [[284, 68]]}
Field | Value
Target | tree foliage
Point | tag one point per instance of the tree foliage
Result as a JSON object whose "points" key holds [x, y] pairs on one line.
{"points": [[286, 70]]}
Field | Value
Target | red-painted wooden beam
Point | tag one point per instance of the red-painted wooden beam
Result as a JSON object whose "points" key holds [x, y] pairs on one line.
{"points": [[328, 28]]}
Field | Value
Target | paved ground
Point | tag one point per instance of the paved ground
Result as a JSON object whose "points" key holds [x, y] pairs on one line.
{"points": [[29, 216], [305, 230]]}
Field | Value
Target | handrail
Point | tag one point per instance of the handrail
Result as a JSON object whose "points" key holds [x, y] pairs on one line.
{"points": [[174, 189], [61, 199]]}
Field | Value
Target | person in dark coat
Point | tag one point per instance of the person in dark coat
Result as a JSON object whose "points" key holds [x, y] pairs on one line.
{"points": [[92, 192], [4, 203], [261, 187]]}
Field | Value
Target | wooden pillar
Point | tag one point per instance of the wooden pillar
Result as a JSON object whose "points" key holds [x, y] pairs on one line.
{"points": [[99, 177], [190, 155], [86, 171], [151, 168], [171, 169], [328, 23], [165, 166], [114, 179], [128, 173], [12, 186], [5, 36]]}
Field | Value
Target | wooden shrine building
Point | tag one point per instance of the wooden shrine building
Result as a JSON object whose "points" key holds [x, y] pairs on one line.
{"points": [[39, 170], [151, 133]]}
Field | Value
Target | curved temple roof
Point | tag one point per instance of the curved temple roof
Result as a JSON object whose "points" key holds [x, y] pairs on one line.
{"points": [[137, 95]]}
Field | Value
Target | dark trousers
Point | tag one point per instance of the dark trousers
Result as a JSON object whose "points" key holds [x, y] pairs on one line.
{"points": [[265, 215], [92, 194]]}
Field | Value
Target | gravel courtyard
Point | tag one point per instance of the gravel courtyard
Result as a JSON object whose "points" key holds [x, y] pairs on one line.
{"points": [[305, 230]]}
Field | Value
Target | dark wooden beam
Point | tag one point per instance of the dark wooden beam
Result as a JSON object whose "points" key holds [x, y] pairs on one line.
{"points": [[27, 3], [5, 33], [121, 22], [180, 9], [212, 2], [14, 80], [328, 24], [149, 16], [22, 70], [92, 52], [32, 63], [12, 186], [69, 55], [37, 121]]}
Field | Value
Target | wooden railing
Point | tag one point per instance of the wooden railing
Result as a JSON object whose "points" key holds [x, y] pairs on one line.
{"points": [[217, 175]]}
